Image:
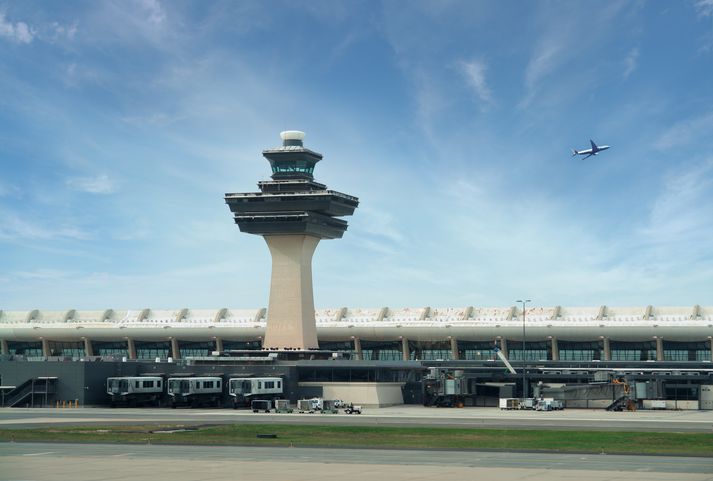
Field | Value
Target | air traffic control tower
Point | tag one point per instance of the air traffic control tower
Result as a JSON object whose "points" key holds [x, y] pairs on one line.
{"points": [[293, 213]]}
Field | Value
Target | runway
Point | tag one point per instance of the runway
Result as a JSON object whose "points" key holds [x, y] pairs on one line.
{"points": [[59, 462], [658, 421]]}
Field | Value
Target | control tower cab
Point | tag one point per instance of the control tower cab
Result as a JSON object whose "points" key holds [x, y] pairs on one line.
{"points": [[293, 213]]}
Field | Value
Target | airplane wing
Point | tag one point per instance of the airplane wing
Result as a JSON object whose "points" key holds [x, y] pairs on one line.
{"points": [[594, 146], [587, 156]]}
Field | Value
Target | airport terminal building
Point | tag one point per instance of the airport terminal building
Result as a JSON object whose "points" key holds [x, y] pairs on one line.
{"points": [[645, 333], [375, 356], [383, 355]]}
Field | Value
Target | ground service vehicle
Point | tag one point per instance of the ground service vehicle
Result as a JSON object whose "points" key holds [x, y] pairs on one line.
{"points": [[329, 406], [309, 405], [195, 391], [352, 409], [549, 404], [134, 391], [264, 405], [244, 389]]}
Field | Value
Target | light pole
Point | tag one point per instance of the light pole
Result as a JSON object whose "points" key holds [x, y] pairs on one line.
{"points": [[524, 304]]}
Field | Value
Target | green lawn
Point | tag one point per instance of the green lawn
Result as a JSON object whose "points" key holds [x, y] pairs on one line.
{"points": [[383, 437]]}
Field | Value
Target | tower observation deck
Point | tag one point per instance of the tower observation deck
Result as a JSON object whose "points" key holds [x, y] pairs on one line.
{"points": [[293, 213]]}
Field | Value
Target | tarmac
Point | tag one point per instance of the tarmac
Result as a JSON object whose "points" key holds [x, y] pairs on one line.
{"points": [[405, 415], [70, 462]]}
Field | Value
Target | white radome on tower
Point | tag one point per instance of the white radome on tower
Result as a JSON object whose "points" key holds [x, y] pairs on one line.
{"points": [[292, 135]]}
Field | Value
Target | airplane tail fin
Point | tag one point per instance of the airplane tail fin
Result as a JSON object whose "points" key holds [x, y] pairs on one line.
{"points": [[574, 152]]}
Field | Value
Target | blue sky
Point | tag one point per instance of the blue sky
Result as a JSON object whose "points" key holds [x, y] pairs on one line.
{"points": [[122, 124]]}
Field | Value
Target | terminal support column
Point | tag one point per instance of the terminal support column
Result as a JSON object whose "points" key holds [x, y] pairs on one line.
{"points": [[218, 344], [175, 349], [88, 350], [555, 349], [357, 349], [454, 348], [659, 348], [131, 348], [290, 313], [4, 349], [45, 348], [405, 349], [504, 347], [710, 345], [606, 349]]}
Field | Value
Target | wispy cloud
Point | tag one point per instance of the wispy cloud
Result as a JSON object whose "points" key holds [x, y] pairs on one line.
{"points": [[544, 61], [686, 131], [64, 31], [630, 62], [474, 73], [100, 184], [18, 32], [681, 212], [16, 228], [7, 190], [704, 8]]}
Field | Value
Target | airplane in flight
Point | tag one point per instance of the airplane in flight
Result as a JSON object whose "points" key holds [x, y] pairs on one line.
{"points": [[589, 152]]}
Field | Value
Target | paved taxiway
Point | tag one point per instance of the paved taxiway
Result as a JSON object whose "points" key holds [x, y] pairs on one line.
{"points": [[679, 421], [59, 462]]}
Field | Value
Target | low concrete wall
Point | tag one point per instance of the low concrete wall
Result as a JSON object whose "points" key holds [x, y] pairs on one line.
{"points": [[368, 394], [671, 404]]}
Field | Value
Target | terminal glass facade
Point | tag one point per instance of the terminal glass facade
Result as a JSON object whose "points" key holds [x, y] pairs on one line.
{"points": [[633, 351], [430, 351], [73, 349], [703, 355], [534, 351], [579, 351], [476, 351], [27, 349], [255, 345], [195, 349], [344, 346], [686, 351], [119, 349], [381, 350], [152, 350]]}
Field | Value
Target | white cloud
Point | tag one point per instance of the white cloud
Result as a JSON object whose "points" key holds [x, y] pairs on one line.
{"points": [[630, 62], [18, 32], [154, 10], [474, 73], [704, 8], [686, 131], [101, 184]]}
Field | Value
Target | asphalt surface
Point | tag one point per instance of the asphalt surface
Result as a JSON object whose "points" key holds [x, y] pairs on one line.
{"points": [[655, 421], [57, 462]]}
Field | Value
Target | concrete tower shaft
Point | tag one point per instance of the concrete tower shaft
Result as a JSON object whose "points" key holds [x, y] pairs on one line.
{"points": [[291, 321], [293, 213]]}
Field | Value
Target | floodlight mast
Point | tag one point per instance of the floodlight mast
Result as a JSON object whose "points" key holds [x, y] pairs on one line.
{"points": [[524, 371]]}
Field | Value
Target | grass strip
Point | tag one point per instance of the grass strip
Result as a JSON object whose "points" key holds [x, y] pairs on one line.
{"points": [[699, 444]]}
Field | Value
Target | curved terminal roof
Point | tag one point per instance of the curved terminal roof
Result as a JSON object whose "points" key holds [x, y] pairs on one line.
{"points": [[380, 323]]}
